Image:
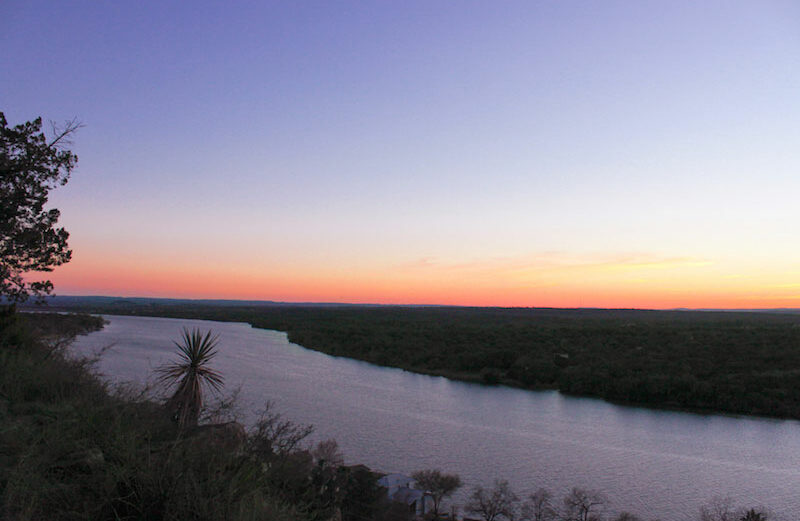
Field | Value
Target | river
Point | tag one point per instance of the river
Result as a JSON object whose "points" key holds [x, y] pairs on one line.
{"points": [[656, 464]]}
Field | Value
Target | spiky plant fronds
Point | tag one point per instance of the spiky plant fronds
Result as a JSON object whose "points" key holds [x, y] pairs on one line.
{"points": [[191, 373]]}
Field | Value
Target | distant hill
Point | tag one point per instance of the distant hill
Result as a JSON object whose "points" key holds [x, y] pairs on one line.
{"points": [[69, 300]]}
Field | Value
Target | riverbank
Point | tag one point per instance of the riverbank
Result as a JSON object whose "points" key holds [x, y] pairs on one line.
{"points": [[138, 339], [707, 362], [75, 447]]}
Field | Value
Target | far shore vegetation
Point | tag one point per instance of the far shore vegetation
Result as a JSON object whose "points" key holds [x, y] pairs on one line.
{"points": [[703, 361]]}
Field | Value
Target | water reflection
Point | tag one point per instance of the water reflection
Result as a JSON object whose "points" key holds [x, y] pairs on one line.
{"points": [[653, 463]]}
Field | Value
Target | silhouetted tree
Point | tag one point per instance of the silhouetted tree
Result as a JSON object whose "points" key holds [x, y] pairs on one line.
{"points": [[753, 515], [723, 509], [497, 503], [581, 505], [31, 166], [437, 484], [361, 494], [718, 509], [327, 454], [539, 507]]}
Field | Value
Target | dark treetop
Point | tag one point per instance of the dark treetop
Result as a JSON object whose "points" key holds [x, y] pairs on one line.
{"points": [[30, 166]]}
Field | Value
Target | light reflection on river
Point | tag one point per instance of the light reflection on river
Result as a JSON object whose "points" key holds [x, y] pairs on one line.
{"points": [[656, 464]]}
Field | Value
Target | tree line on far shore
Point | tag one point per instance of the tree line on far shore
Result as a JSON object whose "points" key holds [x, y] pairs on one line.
{"points": [[744, 363]]}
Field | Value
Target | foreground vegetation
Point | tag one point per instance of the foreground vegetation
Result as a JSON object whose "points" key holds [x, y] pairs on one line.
{"points": [[745, 363], [72, 447], [500, 503]]}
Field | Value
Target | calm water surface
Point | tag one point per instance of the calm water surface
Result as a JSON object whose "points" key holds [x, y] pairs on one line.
{"points": [[656, 464]]}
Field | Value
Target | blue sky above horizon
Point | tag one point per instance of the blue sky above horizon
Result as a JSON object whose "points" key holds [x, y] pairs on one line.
{"points": [[511, 153]]}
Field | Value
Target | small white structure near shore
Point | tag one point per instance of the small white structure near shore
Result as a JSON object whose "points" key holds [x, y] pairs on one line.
{"points": [[399, 488]]}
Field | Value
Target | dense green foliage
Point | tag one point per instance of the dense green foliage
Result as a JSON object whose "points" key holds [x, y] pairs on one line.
{"points": [[738, 362]]}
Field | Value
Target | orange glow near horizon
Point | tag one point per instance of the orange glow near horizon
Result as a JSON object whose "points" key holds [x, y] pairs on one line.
{"points": [[548, 280], [567, 154]]}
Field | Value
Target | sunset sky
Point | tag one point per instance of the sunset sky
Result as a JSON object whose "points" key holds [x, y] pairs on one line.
{"points": [[521, 153]]}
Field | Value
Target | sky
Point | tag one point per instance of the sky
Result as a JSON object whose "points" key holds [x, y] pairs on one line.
{"points": [[510, 153]]}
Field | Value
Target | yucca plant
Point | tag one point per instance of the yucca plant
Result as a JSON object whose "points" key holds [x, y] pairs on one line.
{"points": [[192, 374]]}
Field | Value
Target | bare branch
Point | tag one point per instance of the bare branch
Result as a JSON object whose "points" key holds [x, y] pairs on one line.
{"points": [[62, 133]]}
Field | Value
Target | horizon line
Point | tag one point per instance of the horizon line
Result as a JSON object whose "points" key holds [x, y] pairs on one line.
{"points": [[378, 304]]}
